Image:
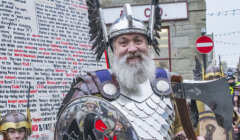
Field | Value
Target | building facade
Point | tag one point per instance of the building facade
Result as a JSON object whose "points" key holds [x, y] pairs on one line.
{"points": [[182, 22]]}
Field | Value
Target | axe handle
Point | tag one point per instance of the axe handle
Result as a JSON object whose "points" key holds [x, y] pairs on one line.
{"points": [[185, 119]]}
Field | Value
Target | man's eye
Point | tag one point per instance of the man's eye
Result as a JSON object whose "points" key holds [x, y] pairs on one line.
{"points": [[21, 131], [210, 78], [138, 41], [217, 76], [123, 42], [11, 131]]}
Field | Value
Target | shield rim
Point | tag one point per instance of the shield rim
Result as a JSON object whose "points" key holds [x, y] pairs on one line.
{"points": [[65, 106]]}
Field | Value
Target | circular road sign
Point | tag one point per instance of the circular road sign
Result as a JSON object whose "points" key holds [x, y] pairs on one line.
{"points": [[204, 44]]}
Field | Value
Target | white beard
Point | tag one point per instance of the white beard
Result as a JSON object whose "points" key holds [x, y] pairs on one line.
{"points": [[131, 75]]}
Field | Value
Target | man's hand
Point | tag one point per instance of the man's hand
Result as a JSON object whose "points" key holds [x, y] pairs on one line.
{"points": [[182, 137], [236, 131], [201, 138], [235, 109]]}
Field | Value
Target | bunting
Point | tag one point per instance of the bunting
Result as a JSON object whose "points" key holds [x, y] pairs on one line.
{"points": [[227, 43], [225, 13], [226, 34]]}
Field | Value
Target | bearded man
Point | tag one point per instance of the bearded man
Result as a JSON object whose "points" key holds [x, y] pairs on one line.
{"points": [[132, 63], [134, 86], [133, 73]]}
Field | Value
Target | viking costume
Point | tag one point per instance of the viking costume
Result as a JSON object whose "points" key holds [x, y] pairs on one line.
{"points": [[149, 113], [15, 120]]}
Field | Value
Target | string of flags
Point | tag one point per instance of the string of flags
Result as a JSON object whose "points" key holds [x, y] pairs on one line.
{"points": [[226, 34], [231, 62], [226, 43], [225, 13], [231, 55]]}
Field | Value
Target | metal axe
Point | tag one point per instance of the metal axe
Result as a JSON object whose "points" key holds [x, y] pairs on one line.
{"points": [[215, 93]]}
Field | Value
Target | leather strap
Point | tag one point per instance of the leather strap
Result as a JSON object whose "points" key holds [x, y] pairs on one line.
{"points": [[90, 87], [105, 80], [161, 80]]}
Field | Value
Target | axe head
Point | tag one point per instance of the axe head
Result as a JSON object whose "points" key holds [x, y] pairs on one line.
{"points": [[214, 93]]}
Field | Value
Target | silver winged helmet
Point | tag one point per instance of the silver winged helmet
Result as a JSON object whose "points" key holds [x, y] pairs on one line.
{"points": [[101, 39]]}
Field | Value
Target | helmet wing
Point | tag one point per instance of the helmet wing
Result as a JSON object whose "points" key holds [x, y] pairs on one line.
{"points": [[98, 31]]}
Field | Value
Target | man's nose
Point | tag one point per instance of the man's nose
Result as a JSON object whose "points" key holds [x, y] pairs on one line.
{"points": [[17, 134], [132, 47]]}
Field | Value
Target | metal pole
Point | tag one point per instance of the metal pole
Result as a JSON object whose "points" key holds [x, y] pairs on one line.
{"points": [[204, 62], [203, 31]]}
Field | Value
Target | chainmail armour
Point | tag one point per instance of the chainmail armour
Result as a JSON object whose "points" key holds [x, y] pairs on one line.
{"points": [[150, 115]]}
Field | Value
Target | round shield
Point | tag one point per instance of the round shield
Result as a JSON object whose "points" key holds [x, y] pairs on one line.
{"points": [[92, 118], [209, 128]]}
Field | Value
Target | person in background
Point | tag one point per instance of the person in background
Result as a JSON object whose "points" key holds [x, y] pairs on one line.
{"points": [[15, 126], [235, 89], [232, 83]]}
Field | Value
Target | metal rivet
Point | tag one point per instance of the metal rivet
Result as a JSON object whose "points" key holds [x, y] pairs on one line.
{"points": [[110, 89], [162, 86]]}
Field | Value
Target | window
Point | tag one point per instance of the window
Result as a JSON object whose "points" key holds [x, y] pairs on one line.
{"points": [[164, 60]]}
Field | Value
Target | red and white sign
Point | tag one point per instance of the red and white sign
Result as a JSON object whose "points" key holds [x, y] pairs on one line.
{"points": [[204, 44], [169, 11]]}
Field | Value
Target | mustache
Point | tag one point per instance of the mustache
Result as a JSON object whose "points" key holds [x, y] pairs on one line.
{"points": [[132, 55], [130, 75]]}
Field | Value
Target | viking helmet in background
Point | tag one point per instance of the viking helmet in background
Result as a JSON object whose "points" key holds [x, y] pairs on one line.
{"points": [[15, 120], [213, 72], [101, 39]]}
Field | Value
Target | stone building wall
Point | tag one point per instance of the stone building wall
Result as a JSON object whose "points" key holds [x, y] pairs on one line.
{"points": [[183, 33]]}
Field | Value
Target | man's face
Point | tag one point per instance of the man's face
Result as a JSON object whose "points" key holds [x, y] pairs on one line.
{"points": [[132, 62], [213, 77], [90, 106], [230, 81], [130, 44], [16, 134]]}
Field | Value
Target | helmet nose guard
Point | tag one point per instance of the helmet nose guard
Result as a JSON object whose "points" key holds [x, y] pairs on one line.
{"points": [[121, 26], [127, 24]]}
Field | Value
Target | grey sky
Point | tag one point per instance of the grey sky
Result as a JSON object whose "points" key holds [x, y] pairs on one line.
{"points": [[224, 23]]}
